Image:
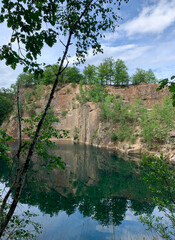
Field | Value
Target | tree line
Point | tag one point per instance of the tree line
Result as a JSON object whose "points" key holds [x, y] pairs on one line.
{"points": [[108, 72]]}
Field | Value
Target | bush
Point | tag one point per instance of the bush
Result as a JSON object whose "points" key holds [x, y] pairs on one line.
{"points": [[76, 132], [92, 93], [64, 113], [113, 136], [157, 123]]}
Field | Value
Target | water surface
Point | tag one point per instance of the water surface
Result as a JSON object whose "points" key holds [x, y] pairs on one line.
{"points": [[97, 196]]}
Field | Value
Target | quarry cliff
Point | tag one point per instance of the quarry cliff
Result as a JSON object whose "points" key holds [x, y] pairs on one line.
{"points": [[84, 122]]}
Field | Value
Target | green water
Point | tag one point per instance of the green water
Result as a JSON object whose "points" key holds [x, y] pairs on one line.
{"points": [[97, 196]]}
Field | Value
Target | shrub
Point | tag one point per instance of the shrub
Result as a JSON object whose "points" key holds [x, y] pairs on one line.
{"points": [[64, 113], [76, 132], [157, 123], [113, 136]]}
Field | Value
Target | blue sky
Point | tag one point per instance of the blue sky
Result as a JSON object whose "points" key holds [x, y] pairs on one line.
{"points": [[144, 39]]}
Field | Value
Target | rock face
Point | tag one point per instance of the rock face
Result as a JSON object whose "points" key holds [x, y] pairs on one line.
{"points": [[84, 121], [146, 92]]}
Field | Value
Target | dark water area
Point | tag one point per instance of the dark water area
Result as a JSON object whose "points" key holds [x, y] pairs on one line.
{"points": [[97, 196]]}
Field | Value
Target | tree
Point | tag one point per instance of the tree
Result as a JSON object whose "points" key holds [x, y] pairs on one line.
{"points": [[159, 176], [121, 77], [72, 74], [90, 74], [6, 107], [143, 76], [139, 76], [7, 92], [150, 77], [80, 22], [27, 79], [170, 84], [102, 73], [105, 71], [109, 66], [49, 74]]}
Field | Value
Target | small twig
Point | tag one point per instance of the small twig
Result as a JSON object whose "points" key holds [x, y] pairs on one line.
{"points": [[62, 43]]}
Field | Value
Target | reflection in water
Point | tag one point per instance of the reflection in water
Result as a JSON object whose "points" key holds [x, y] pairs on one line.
{"points": [[97, 196]]}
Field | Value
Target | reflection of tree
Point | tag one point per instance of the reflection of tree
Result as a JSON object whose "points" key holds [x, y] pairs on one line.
{"points": [[141, 207], [111, 211], [49, 201], [105, 200], [4, 171]]}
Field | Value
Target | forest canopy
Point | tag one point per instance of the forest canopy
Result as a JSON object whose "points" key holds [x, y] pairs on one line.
{"points": [[108, 72]]}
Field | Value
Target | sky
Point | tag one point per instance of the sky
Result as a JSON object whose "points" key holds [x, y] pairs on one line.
{"points": [[144, 39]]}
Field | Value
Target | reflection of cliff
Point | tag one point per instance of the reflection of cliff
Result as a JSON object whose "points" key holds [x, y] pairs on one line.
{"points": [[97, 182], [92, 167], [81, 165]]}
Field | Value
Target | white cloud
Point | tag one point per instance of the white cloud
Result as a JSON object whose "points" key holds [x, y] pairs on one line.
{"points": [[152, 19], [112, 36], [127, 52], [7, 75]]}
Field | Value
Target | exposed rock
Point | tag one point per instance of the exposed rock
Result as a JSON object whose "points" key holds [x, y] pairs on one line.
{"points": [[172, 133], [134, 151], [84, 122]]}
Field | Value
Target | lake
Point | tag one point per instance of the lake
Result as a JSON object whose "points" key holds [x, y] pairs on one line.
{"points": [[98, 196]]}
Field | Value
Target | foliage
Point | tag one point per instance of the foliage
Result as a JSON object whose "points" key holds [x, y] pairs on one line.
{"points": [[159, 175], [113, 136], [112, 72], [157, 123], [90, 74], [150, 77], [165, 178], [18, 225], [171, 86], [92, 93], [27, 79], [18, 228], [44, 144], [105, 71], [143, 76], [49, 74], [64, 113], [121, 76], [76, 133], [115, 111], [72, 74], [114, 176], [7, 92], [38, 92], [64, 18], [107, 106], [6, 107], [4, 144], [35, 24], [109, 72]]}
